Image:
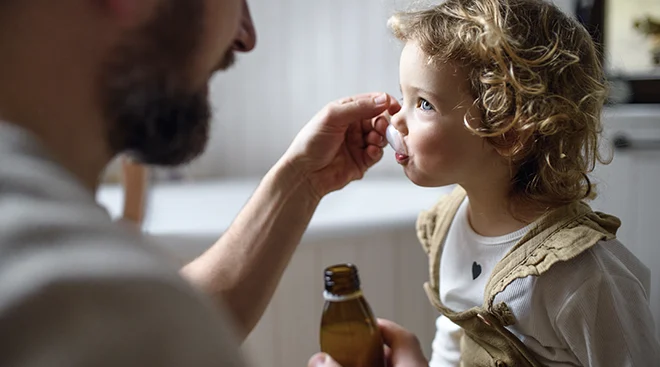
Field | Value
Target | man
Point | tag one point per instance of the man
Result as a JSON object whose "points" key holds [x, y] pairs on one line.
{"points": [[82, 81]]}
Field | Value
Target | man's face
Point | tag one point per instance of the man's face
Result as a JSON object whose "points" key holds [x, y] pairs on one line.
{"points": [[154, 89]]}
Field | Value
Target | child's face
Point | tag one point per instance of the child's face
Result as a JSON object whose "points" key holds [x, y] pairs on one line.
{"points": [[441, 150]]}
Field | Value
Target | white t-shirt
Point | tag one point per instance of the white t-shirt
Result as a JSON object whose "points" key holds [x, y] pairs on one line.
{"points": [[77, 289], [589, 311]]}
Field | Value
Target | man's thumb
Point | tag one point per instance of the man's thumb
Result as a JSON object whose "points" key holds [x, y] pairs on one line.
{"points": [[356, 108], [322, 360]]}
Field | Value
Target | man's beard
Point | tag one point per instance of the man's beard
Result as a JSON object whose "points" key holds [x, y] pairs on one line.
{"points": [[151, 111]]}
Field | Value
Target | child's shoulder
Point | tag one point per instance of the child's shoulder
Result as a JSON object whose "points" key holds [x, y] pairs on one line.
{"points": [[606, 265], [587, 302], [607, 269]]}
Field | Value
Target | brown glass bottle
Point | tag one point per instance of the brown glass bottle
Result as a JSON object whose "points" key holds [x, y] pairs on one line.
{"points": [[349, 332]]}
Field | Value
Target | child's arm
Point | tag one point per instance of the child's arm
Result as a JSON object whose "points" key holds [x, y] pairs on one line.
{"points": [[446, 344], [607, 321]]}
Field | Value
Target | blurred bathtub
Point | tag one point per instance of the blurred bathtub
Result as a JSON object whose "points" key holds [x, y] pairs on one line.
{"points": [[370, 223]]}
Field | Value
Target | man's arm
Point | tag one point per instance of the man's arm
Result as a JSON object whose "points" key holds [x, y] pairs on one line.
{"points": [[243, 268]]}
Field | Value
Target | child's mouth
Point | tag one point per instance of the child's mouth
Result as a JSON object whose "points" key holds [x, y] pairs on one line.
{"points": [[401, 158]]}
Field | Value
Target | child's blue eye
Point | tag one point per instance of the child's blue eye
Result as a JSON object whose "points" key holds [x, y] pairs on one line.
{"points": [[424, 105]]}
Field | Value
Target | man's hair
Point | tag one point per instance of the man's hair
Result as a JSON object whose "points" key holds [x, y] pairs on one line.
{"points": [[537, 81]]}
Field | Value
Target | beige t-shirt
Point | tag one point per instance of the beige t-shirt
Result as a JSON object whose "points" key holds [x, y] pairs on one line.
{"points": [[77, 289]]}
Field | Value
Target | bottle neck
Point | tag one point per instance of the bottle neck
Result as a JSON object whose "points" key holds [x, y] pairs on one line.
{"points": [[342, 280], [332, 297]]}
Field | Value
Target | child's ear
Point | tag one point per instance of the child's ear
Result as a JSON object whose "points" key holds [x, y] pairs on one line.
{"points": [[512, 142]]}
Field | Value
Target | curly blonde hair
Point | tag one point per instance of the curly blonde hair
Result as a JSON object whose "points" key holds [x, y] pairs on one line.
{"points": [[537, 81]]}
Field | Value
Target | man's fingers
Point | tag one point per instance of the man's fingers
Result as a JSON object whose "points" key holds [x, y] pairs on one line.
{"points": [[404, 345], [372, 155], [388, 355], [354, 136], [394, 107], [322, 360], [359, 96], [374, 138], [395, 336], [388, 352], [351, 109], [381, 124]]}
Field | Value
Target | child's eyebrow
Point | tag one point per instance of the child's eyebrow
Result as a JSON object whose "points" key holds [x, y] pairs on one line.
{"points": [[426, 91]]}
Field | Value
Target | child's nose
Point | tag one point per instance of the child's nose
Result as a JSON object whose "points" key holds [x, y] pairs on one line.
{"points": [[399, 122]]}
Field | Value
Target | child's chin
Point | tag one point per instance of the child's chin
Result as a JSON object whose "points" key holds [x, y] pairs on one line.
{"points": [[427, 181]]}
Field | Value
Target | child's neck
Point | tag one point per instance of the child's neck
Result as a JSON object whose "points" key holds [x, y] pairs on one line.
{"points": [[490, 212]]}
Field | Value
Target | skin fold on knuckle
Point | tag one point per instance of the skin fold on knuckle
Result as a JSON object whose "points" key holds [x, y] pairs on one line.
{"points": [[329, 112]]}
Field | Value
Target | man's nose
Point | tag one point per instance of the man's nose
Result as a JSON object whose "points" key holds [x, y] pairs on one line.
{"points": [[246, 38]]}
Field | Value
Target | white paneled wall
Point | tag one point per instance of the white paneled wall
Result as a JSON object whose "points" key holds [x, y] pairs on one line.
{"points": [[308, 53]]}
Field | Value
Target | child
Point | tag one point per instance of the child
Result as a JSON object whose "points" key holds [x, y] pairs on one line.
{"points": [[503, 98]]}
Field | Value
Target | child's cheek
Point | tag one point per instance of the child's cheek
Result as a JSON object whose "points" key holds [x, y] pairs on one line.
{"points": [[433, 145]]}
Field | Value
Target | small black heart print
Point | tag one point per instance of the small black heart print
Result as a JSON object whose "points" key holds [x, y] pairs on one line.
{"points": [[476, 270]]}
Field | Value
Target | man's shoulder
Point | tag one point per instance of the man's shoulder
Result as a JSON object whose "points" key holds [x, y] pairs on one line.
{"points": [[106, 301], [94, 286], [54, 235]]}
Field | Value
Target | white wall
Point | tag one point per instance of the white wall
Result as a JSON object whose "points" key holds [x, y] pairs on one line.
{"points": [[568, 6], [308, 53]]}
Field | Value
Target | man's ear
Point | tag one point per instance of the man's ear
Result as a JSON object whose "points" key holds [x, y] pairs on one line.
{"points": [[129, 13]]}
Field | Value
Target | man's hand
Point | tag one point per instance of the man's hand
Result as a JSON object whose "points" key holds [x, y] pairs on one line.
{"points": [[402, 348], [342, 141]]}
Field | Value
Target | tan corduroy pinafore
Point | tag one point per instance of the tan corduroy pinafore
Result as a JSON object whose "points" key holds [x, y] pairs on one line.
{"points": [[559, 235]]}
